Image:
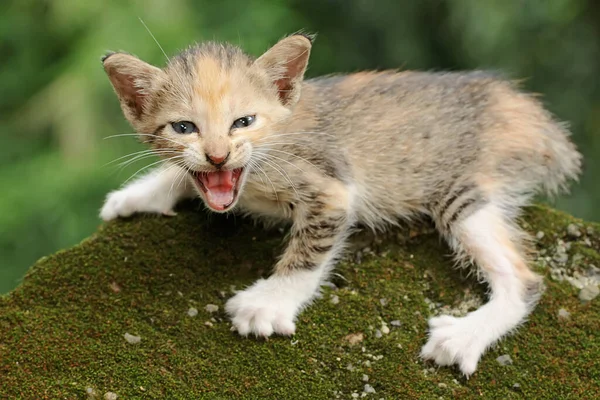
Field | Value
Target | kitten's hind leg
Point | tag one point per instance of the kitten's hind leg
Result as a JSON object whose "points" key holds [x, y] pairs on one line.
{"points": [[494, 243], [157, 192]]}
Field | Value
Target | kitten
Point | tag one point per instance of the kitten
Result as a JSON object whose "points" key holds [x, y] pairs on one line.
{"points": [[244, 134]]}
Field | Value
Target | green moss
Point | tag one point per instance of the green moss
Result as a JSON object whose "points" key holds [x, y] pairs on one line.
{"points": [[62, 330]]}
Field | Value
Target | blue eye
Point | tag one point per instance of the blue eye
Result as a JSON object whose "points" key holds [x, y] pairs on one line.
{"points": [[243, 122], [184, 127]]}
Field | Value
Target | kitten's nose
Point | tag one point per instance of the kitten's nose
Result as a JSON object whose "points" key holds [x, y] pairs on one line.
{"points": [[215, 160]]}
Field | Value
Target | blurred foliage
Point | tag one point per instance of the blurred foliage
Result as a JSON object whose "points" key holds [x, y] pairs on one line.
{"points": [[56, 105]]}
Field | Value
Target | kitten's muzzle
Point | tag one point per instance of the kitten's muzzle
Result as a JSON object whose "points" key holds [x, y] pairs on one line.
{"points": [[217, 161]]}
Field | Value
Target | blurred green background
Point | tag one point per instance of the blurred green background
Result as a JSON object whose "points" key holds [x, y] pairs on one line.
{"points": [[56, 105]]}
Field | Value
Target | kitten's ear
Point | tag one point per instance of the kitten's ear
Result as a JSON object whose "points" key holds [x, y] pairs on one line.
{"points": [[133, 81], [286, 63]]}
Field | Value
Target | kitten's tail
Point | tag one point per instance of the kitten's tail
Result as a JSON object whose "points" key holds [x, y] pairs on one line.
{"points": [[543, 156], [561, 157]]}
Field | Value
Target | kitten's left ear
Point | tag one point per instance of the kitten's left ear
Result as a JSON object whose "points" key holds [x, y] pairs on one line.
{"points": [[286, 63]]}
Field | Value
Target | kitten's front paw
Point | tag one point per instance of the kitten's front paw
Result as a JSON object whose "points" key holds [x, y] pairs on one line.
{"points": [[263, 309], [455, 341], [130, 200]]}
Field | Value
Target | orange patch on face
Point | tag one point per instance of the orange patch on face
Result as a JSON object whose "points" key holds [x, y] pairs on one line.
{"points": [[212, 85]]}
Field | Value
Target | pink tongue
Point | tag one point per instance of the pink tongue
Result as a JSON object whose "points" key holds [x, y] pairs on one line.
{"points": [[219, 188], [219, 178]]}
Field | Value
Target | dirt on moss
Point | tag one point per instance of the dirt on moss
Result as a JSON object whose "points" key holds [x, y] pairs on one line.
{"points": [[70, 330]]}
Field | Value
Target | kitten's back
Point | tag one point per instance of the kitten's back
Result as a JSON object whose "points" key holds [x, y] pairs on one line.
{"points": [[409, 138]]}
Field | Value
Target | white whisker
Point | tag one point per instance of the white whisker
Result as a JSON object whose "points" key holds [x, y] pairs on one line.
{"points": [[150, 165], [148, 135], [284, 160], [282, 172], [140, 157], [294, 155], [256, 167], [158, 44], [294, 133], [266, 176]]}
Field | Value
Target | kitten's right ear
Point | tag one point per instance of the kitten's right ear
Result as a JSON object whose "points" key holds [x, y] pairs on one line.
{"points": [[133, 81]]}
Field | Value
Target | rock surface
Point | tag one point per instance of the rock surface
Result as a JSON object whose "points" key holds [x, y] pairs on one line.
{"points": [[61, 331]]}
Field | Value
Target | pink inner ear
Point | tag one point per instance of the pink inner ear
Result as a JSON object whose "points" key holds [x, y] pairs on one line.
{"points": [[125, 86], [294, 68], [285, 87]]}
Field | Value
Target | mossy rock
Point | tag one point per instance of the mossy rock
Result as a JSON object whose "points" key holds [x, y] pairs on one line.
{"points": [[62, 331]]}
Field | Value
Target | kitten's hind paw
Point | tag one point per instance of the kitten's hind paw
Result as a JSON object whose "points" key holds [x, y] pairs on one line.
{"points": [[455, 341]]}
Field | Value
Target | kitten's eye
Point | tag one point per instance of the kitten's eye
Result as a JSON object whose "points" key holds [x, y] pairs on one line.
{"points": [[184, 127], [243, 122]]}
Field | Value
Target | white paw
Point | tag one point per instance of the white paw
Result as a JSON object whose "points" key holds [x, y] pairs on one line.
{"points": [[453, 340], [133, 199], [269, 306]]}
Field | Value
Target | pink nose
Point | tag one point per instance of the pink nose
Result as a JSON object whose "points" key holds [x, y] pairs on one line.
{"points": [[217, 161]]}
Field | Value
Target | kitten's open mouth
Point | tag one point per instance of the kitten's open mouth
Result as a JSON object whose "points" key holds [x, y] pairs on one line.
{"points": [[220, 188]]}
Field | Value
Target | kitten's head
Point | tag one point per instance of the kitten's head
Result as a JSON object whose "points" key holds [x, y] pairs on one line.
{"points": [[209, 107]]}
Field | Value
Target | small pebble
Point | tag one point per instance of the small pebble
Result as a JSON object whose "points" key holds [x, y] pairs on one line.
{"points": [[369, 389], [114, 286], [131, 339], [354, 338], [335, 299], [367, 363], [383, 302], [91, 393], [442, 385], [211, 308], [355, 395], [209, 324], [365, 378], [504, 360], [385, 330], [589, 293], [561, 258], [539, 235], [516, 386], [563, 314], [378, 333], [110, 396], [192, 312], [396, 323], [573, 231]]}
